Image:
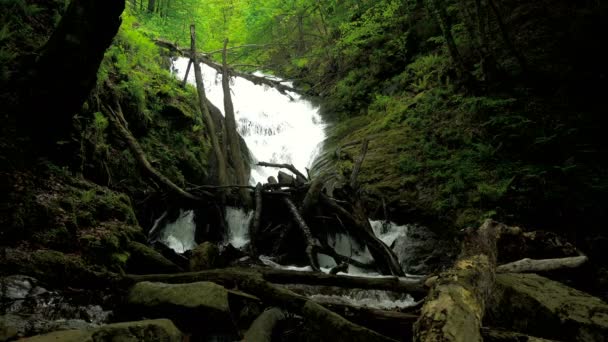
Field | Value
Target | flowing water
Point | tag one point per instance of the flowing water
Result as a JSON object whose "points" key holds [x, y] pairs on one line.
{"points": [[280, 128]]}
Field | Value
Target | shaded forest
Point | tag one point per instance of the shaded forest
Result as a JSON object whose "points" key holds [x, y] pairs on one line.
{"points": [[473, 123]]}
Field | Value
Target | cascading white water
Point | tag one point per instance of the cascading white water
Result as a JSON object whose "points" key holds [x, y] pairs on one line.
{"points": [[277, 128], [238, 223], [179, 235]]}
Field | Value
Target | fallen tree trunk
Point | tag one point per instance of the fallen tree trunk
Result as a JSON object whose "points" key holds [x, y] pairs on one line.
{"points": [[394, 324], [455, 306], [326, 323], [261, 329], [542, 265], [492, 335], [143, 162], [289, 167], [402, 285]]}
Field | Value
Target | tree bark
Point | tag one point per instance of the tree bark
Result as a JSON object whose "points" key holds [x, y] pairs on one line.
{"points": [[542, 265], [257, 219], [151, 6], [455, 306], [261, 329], [66, 70], [312, 244], [221, 161], [289, 167], [242, 178], [185, 81]]}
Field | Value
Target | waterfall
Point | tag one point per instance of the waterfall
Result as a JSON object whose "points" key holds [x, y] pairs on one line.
{"points": [[238, 226], [277, 128], [179, 235]]}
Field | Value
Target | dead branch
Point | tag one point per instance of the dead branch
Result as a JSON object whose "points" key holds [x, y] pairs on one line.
{"points": [[312, 244], [142, 160], [289, 167], [541, 265]]}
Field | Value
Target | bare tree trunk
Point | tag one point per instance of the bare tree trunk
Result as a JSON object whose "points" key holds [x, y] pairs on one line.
{"points": [[242, 178], [312, 244], [151, 6], [185, 81], [221, 161]]}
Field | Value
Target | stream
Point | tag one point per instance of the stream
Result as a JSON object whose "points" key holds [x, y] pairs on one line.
{"points": [[280, 128]]}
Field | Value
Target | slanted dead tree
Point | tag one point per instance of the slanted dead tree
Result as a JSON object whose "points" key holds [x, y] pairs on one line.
{"points": [[202, 97]]}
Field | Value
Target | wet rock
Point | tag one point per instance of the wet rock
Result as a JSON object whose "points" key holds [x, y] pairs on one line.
{"points": [[160, 330], [8, 329], [205, 256], [30, 309], [145, 260], [542, 307], [421, 251], [194, 307]]}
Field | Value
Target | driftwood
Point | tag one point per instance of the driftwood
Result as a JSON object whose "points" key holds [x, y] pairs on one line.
{"points": [[312, 244], [289, 167], [261, 329], [142, 160], [542, 265], [455, 306], [328, 323]]}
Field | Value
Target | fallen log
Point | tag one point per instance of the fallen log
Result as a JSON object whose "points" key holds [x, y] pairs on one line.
{"points": [[204, 58], [261, 329], [289, 167], [493, 335], [327, 323], [394, 324], [404, 285], [455, 306], [142, 160], [542, 265]]}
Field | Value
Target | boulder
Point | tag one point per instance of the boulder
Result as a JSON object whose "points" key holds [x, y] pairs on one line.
{"points": [[421, 251], [538, 306], [160, 330], [205, 256], [199, 307], [145, 260]]}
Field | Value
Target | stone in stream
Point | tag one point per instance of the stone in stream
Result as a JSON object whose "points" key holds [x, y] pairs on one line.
{"points": [[200, 307], [205, 256], [159, 330], [421, 251], [542, 307]]}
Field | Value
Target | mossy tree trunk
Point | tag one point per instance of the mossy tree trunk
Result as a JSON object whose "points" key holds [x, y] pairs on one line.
{"points": [[66, 71]]}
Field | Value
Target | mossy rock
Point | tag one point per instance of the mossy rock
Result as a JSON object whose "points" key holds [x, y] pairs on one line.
{"points": [[160, 330], [145, 260], [205, 256], [538, 306], [198, 307]]}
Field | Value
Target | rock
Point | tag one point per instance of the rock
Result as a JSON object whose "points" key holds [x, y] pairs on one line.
{"points": [[421, 251], [160, 330], [194, 307], [205, 256], [145, 260], [538, 306], [8, 330]]}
